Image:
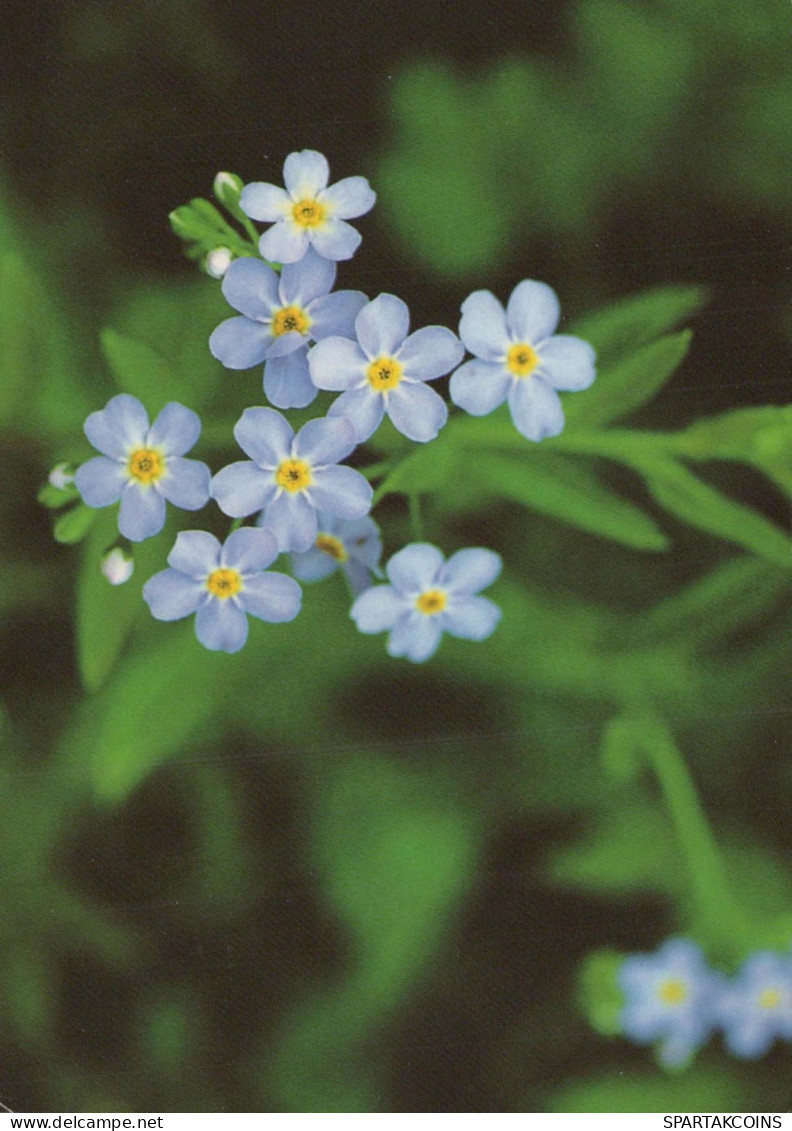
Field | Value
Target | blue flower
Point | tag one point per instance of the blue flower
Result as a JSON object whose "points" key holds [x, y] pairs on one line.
{"points": [[385, 370], [221, 585], [280, 316], [755, 1008], [141, 465], [289, 478], [668, 999], [307, 212], [353, 547], [428, 596], [518, 357]]}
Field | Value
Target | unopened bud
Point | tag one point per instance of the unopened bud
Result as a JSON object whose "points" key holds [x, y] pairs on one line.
{"points": [[117, 566], [217, 262], [61, 476], [227, 188]]}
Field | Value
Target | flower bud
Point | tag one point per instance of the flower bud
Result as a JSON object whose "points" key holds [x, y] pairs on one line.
{"points": [[227, 188], [217, 262], [117, 566], [61, 476]]}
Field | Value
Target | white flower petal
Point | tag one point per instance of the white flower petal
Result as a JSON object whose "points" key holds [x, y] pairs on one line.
{"points": [[287, 380], [251, 287], [242, 488], [324, 441], [483, 326], [305, 174], [119, 428], [100, 481], [363, 408], [417, 411], [272, 597], [239, 343], [195, 553], [471, 618], [142, 512], [313, 565], [468, 571], [265, 202], [186, 483], [479, 386], [532, 312], [350, 197], [335, 315], [535, 408], [382, 326], [415, 568], [416, 637], [378, 609], [249, 550], [171, 595], [292, 520], [308, 279], [284, 242], [221, 625], [567, 363], [335, 239], [341, 491], [336, 364], [175, 430], [430, 352], [264, 435]]}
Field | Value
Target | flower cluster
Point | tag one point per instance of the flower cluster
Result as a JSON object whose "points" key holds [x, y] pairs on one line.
{"points": [[674, 1000], [295, 490]]}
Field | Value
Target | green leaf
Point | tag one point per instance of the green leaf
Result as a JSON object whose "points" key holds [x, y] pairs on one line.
{"points": [[624, 386], [200, 223], [56, 497], [138, 369], [599, 996], [714, 1089], [616, 331], [555, 485], [74, 524], [23, 333]]}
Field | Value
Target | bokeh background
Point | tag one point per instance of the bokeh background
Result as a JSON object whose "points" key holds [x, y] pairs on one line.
{"points": [[308, 878]]}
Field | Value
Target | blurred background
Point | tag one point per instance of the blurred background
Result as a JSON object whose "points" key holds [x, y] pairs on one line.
{"points": [[308, 878]]}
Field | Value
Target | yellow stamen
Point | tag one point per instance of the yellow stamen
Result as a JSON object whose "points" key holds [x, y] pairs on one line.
{"points": [[145, 465], [384, 373], [224, 583], [290, 319], [308, 213], [293, 475], [333, 546], [521, 360], [673, 992], [769, 999], [430, 602]]}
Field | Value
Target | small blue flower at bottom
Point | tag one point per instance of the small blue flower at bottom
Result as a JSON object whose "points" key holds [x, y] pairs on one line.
{"points": [[669, 999], [221, 584], [353, 546], [429, 596], [755, 1008]]}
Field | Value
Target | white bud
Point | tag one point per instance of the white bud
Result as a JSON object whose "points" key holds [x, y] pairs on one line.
{"points": [[61, 476], [117, 566], [225, 181], [217, 262]]}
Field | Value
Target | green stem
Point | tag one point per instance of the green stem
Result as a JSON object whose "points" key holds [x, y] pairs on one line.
{"points": [[375, 470]]}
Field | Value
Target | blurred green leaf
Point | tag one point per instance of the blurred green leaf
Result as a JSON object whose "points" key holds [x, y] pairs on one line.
{"points": [[699, 1089], [138, 369], [74, 524], [201, 224], [57, 497], [618, 330], [599, 995]]}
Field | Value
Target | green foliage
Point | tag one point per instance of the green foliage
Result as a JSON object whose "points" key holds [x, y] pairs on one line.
{"points": [[203, 228], [73, 525]]}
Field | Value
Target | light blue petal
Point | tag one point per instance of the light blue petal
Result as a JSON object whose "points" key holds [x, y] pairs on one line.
{"points": [[567, 363], [285, 344], [378, 609], [287, 381], [221, 625], [195, 553], [313, 565], [336, 314], [479, 386], [251, 287], [307, 280], [357, 575], [483, 326], [264, 202], [363, 408], [417, 411], [264, 435], [471, 618], [535, 408], [341, 491], [336, 363], [249, 550], [382, 326], [100, 481], [335, 239], [415, 568], [119, 428], [292, 519], [416, 637], [468, 571], [305, 173], [350, 197], [361, 537], [171, 595], [430, 352], [532, 312], [273, 597], [324, 441], [186, 484], [242, 489], [175, 430], [142, 513], [284, 242], [240, 343]]}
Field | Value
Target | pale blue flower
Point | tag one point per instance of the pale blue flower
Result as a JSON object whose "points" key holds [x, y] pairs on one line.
{"points": [[141, 465], [221, 584], [669, 1000], [308, 213], [280, 315], [519, 358], [289, 478], [428, 596], [755, 1008], [386, 369], [354, 547]]}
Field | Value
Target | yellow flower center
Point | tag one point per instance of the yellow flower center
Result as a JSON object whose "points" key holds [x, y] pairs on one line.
{"points": [[673, 992], [430, 602], [769, 999], [521, 360], [223, 583], [293, 475], [308, 213], [384, 373], [290, 319], [333, 546], [145, 465]]}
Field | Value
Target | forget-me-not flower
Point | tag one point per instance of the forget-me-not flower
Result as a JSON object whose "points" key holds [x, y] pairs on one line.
{"points": [[221, 584], [354, 547], [307, 212], [279, 316], [518, 356], [142, 465], [386, 369], [289, 478], [755, 1007], [428, 596], [669, 999]]}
